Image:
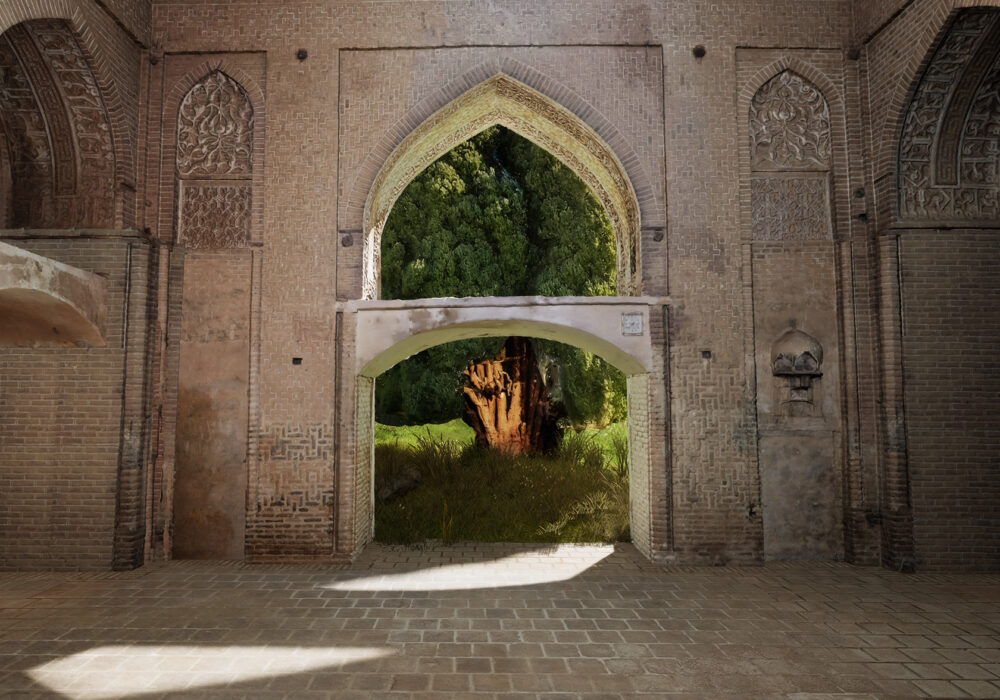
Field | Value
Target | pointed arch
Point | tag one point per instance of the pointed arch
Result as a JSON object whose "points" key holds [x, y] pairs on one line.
{"points": [[97, 36], [504, 100], [59, 129], [796, 65], [946, 164]]}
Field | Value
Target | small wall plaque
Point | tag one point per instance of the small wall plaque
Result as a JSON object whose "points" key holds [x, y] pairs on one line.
{"points": [[631, 324]]}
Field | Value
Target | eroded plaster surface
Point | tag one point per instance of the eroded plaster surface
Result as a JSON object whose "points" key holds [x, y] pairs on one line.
{"points": [[44, 302], [616, 328]]}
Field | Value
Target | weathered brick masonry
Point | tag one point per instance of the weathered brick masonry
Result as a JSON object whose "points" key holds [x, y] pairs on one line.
{"points": [[810, 204]]}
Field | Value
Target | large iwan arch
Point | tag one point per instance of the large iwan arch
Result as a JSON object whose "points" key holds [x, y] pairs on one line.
{"points": [[628, 330]]}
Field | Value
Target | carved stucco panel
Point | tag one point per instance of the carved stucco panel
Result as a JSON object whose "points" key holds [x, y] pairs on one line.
{"points": [[789, 125], [91, 123], [949, 153], [24, 126], [215, 130], [793, 208], [214, 214]]}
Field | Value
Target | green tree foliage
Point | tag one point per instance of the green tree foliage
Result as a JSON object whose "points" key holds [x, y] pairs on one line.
{"points": [[573, 249], [497, 216]]}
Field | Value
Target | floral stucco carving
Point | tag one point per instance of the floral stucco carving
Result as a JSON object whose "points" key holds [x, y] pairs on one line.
{"points": [[789, 125], [215, 129]]}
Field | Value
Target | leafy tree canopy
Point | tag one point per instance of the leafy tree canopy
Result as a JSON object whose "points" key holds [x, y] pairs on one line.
{"points": [[497, 216]]}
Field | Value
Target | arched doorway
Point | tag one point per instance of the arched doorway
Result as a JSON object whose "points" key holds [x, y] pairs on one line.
{"points": [[628, 320], [939, 261], [626, 331]]}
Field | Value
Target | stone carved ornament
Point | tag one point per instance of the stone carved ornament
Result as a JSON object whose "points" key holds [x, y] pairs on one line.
{"points": [[792, 208], [215, 140], [789, 147], [797, 360], [215, 130], [949, 152], [789, 125]]}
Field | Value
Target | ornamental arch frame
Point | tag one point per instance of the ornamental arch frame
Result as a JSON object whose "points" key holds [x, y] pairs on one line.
{"points": [[929, 28], [507, 101], [944, 151], [90, 30]]}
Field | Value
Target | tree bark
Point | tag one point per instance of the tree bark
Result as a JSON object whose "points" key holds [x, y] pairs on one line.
{"points": [[507, 404]]}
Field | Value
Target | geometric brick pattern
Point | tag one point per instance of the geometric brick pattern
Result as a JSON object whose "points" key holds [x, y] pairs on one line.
{"points": [[790, 208]]}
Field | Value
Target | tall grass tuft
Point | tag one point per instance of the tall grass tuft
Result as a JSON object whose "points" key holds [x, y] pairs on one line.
{"points": [[576, 495]]}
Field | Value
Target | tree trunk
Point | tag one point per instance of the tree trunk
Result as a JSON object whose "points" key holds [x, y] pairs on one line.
{"points": [[507, 404]]}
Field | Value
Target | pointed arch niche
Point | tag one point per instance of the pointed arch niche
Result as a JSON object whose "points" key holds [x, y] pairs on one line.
{"points": [[510, 103]]}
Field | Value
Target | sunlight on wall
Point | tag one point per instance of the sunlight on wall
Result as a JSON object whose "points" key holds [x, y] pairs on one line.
{"points": [[122, 671], [559, 563]]}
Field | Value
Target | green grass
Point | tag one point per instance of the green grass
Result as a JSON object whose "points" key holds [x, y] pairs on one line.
{"points": [[609, 439], [412, 435], [472, 494]]}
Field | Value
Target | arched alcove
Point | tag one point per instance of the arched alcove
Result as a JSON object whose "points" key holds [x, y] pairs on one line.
{"points": [[938, 262]]}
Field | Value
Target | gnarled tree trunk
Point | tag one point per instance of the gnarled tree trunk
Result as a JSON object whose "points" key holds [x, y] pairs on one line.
{"points": [[507, 404]]}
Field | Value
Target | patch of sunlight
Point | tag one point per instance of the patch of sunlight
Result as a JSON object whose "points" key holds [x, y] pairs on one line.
{"points": [[121, 671], [558, 563]]}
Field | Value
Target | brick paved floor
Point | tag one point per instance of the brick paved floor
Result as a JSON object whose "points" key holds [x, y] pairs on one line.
{"points": [[498, 621]]}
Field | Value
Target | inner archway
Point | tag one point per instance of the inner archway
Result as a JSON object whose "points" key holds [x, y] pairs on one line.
{"points": [[512, 463], [624, 330]]}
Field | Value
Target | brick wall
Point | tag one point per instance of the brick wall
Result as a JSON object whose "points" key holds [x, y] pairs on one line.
{"points": [[639, 462], [951, 361], [870, 16], [61, 412], [135, 15], [672, 111]]}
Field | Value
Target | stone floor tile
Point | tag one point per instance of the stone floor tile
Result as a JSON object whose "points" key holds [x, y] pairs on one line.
{"points": [[815, 630], [940, 689], [979, 689]]}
